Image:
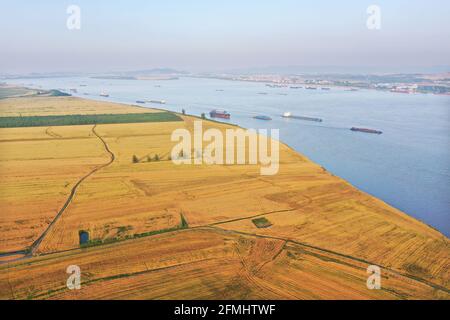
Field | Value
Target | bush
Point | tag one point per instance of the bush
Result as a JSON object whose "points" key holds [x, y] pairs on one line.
{"points": [[135, 159], [261, 222]]}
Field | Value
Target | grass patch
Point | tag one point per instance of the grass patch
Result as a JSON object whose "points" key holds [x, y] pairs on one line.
{"points": [[261, 222], [77, 119], [54, 93]]}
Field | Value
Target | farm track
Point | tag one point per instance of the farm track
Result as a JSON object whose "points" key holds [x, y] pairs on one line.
{"points": [[38, 241]]}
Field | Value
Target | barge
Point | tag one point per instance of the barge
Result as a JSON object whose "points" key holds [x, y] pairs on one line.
{"points": [[157, 101], [365, 130], [262, 118], [290, 116]]}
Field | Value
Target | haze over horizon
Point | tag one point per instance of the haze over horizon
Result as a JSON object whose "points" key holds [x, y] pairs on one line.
{"points": [[206, 36]]}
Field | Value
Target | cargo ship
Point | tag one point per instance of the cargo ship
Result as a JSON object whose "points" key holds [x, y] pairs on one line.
{"points": [[219, 114], [290, 116], [262, 117], [366, 130]]}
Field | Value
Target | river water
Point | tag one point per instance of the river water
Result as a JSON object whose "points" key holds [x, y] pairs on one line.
{"points": [[408, 166]]}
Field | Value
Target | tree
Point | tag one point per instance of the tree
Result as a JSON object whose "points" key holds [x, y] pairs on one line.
{"points": [[135, 159], [183, 111], [184, 224], [203, 116], [156, 157], [149, 159]]}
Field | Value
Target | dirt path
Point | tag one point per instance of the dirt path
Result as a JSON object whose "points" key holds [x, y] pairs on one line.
{"points": [[36, 244], [73, 191]]}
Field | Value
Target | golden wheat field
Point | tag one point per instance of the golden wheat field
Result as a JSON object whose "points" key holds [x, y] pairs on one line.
{"points": [[166, 231]]}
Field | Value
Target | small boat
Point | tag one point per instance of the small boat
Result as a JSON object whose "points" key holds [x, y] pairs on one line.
{"points": [[326, 88], [262, 117], [365, 130], [219, 114], [104, 94], [290, 116], [74, 90], [140, 101], [295, 87], [264, 93], [311, 88]]}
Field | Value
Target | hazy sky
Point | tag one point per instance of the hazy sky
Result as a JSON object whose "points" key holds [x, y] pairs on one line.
{"points": [[219, 35]]}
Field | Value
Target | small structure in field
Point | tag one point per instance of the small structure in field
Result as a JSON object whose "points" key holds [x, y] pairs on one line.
{"points": [[84, 237], [262, 222]]}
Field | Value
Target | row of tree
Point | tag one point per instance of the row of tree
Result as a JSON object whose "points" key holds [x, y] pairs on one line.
{"points": [[155, 158]]}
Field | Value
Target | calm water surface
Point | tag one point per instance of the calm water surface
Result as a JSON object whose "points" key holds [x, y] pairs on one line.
{"points": [[408, 166]]}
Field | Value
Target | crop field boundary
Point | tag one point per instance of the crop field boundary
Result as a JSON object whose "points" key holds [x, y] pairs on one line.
{"points": [[86, 119]]}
